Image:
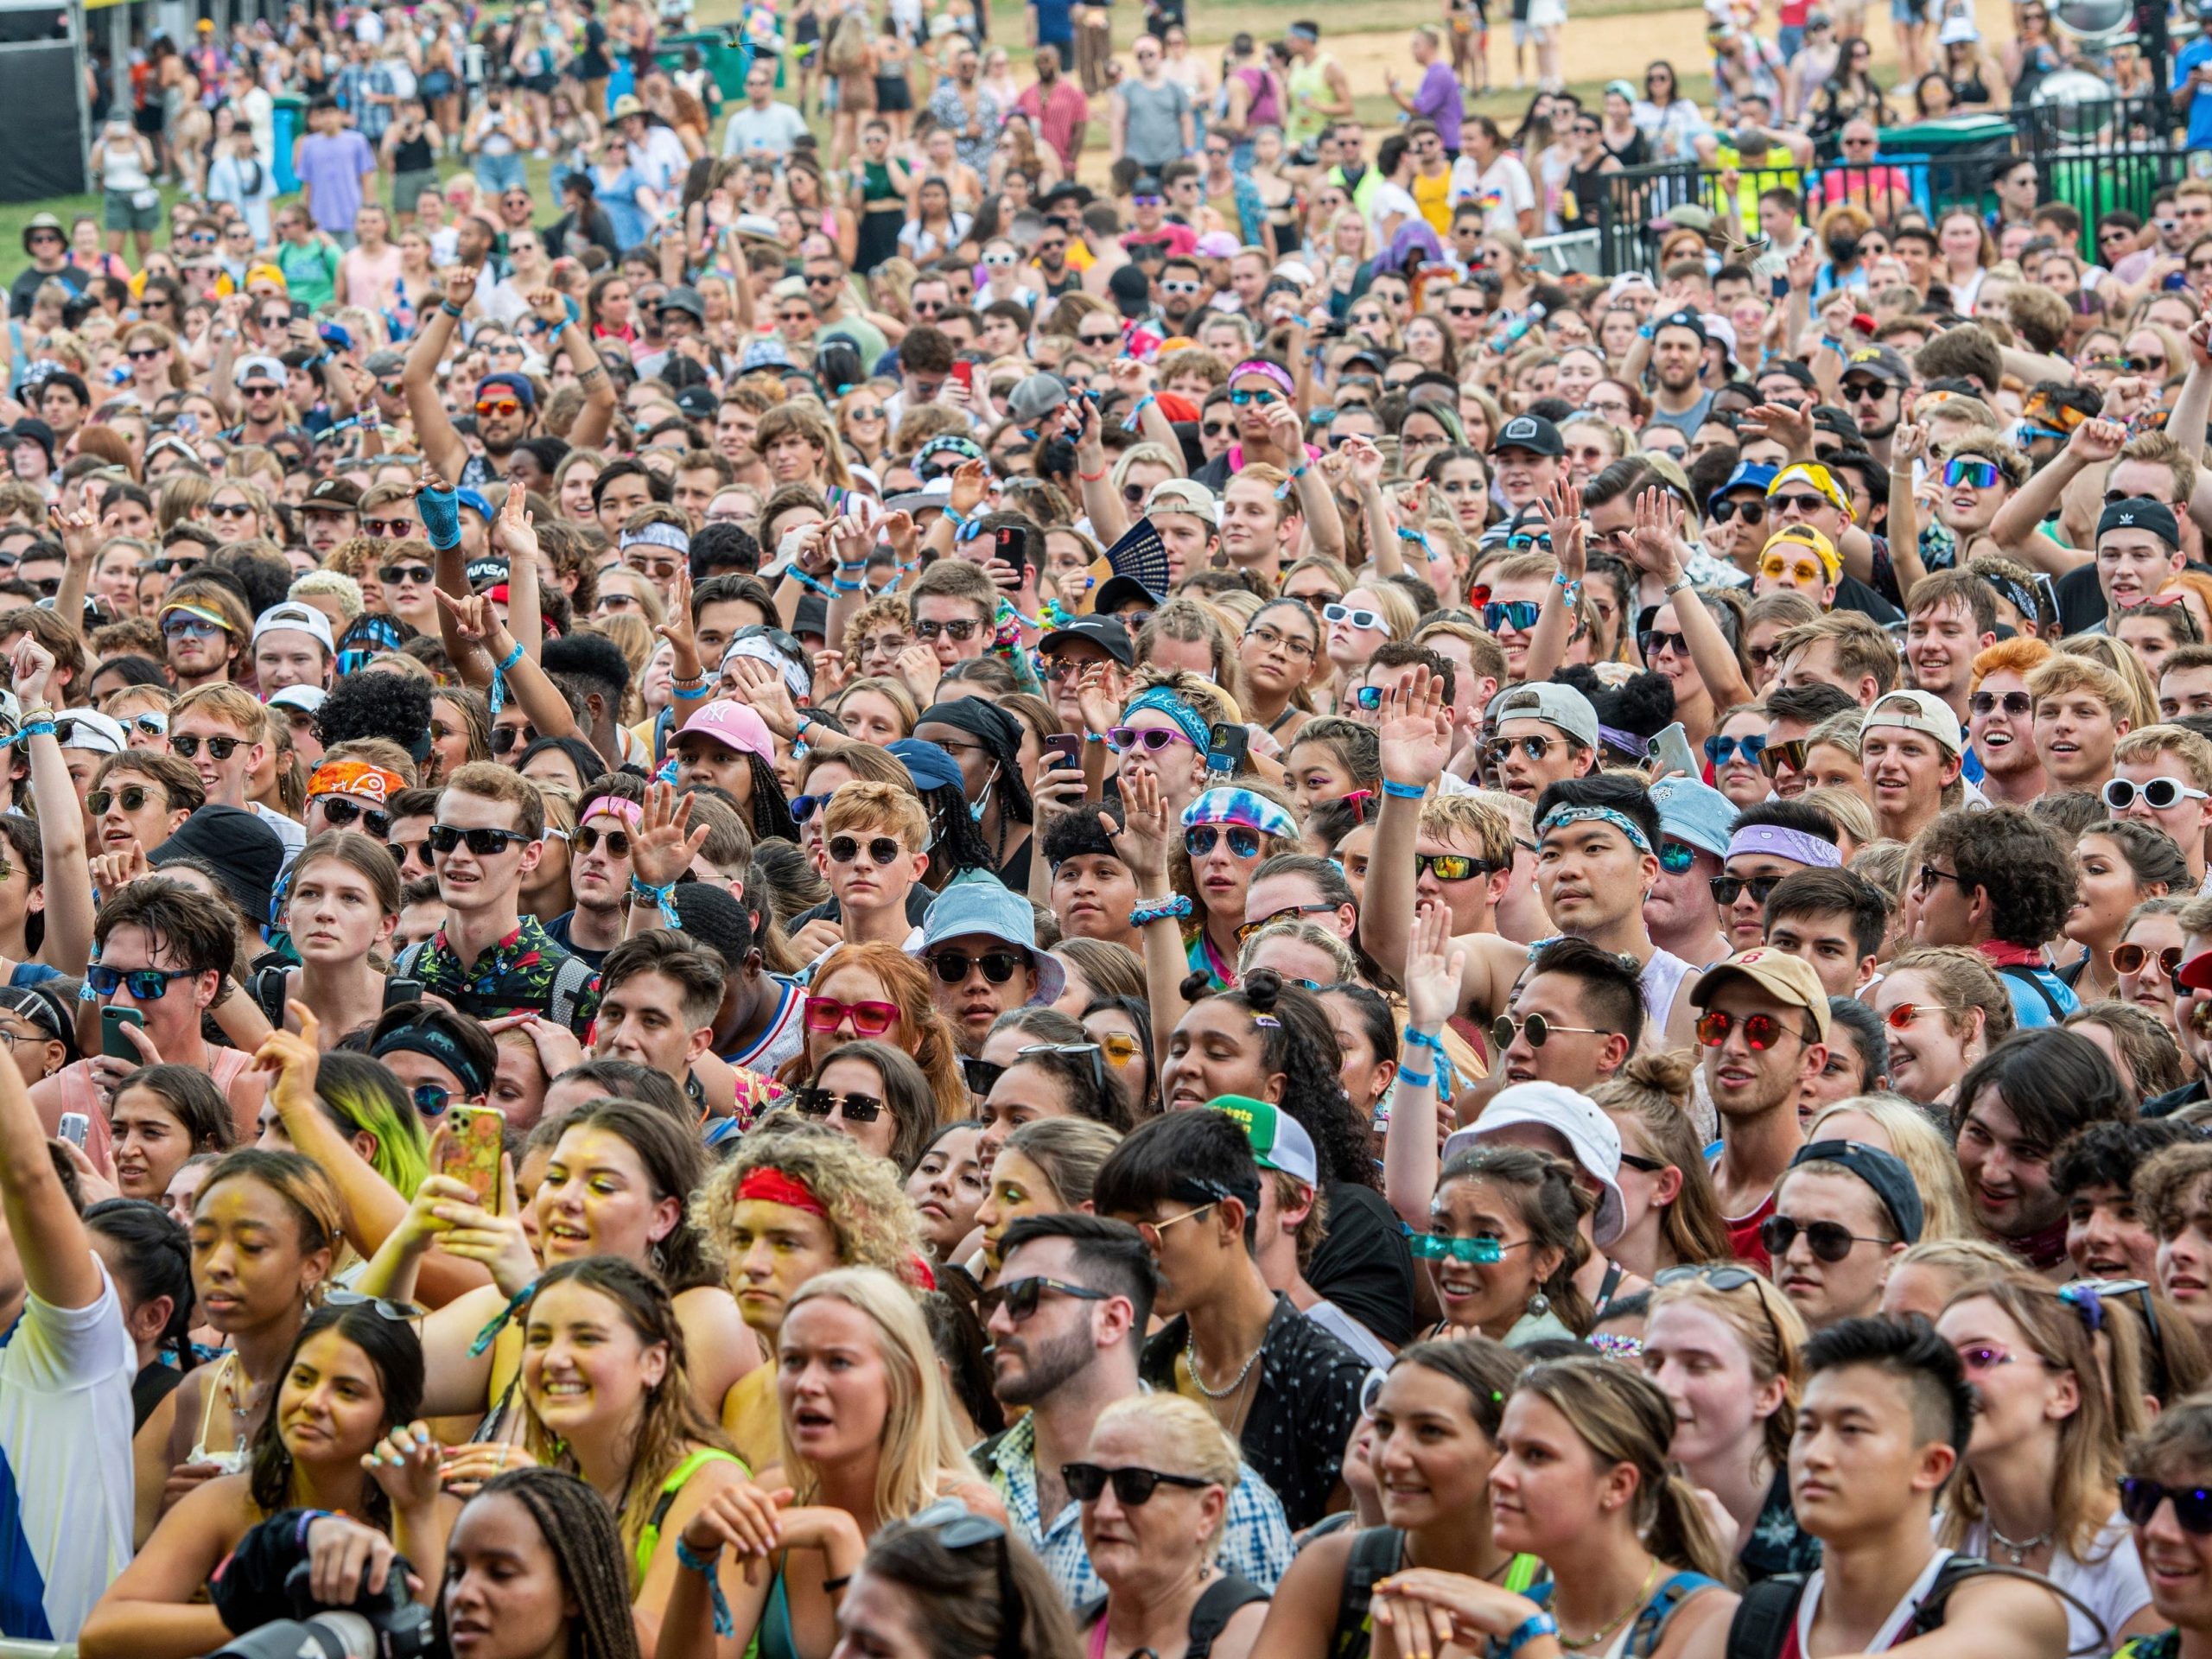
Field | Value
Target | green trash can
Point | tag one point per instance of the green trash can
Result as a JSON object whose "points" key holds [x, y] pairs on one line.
{"points": [[1943, 155], [2095, 179], [287, 122], [718, 50]]}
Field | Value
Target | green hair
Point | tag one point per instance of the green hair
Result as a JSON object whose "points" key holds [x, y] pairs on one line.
{"points": [[362, 1094]]}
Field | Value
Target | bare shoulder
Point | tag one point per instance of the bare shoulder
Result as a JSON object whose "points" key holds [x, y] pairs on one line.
{"points": [[1698, 1628]]}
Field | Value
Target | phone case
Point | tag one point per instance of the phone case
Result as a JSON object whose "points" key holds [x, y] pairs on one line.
{"points": [[471, 1154]]}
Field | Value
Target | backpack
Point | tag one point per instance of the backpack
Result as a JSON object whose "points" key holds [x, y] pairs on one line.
{"points": [[1216, 1603], [1650, 1627], [1375, 1554], [2033, 977], [571, 983], [1768, 1610]]}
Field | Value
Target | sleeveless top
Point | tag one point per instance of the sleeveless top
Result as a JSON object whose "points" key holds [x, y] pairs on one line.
{"points": [[233, 1460], [1649, 1628], [1309, 85], [876, 188], [1264, 108], [649, 1537], [414, 155], [1661, 979]]}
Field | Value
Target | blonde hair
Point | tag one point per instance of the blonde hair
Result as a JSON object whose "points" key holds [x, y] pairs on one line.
{"points": [[1655, 1090], [1476, 820], [1773, 1335], [919, 1456], [1399, 614], [2147, 742], [1854, 819], [869, 1216], [1195, 1444], [1921, 1147], [1965, 980], [2103, 667], [864, 805]]}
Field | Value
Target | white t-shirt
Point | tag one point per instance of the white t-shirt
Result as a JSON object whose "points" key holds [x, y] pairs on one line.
{"points": [[1351, 1332], [1503, 188], [2112, 1586], [66, 1480]]}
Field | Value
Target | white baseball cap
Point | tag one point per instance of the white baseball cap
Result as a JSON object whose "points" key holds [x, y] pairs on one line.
{"points": [[298, 619], [1589, 1136]]}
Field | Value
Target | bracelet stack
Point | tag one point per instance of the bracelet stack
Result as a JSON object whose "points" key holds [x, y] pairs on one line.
{"points": [[689, 691], [658, 898], [1413, 1039], [1175, 907], [858, 567]]}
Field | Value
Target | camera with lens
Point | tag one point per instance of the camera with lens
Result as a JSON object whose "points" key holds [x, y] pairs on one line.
{"points": [[388, 1623]]}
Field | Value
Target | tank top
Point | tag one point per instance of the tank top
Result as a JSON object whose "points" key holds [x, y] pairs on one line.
{"points": [[233, 1460], [414, 155], [1266, 109], [671, 1489], [121, 167], [876, 188], [1661, 979], [1896, 1628], [1309, 85]]}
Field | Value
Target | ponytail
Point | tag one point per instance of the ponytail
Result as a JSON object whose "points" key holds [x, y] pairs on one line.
{"points": [[1680, 1533]]}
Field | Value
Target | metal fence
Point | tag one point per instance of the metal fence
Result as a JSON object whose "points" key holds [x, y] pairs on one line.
{"points": [[2097, 157]]}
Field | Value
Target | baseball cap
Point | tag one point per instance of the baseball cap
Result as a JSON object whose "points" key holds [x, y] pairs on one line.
{"points": [[257, 366], [2141, 512], [1880, 361], [1103, 631], [1685, 318], [1117, 591], [1883, 1169], [1916, 711], [1688, 216], [308, 699], [1530, 432], [1591, 1140], [333, 495], [732, 725], [488, 572], [1806, 536], [1182, 495], [686, 300], [1748, 475], [984, 904], [297, 618], [1279, 1141], [1558, 706], [1035, 397], [1790, 980], [384, 362], [88, 729], [1695, 814]]}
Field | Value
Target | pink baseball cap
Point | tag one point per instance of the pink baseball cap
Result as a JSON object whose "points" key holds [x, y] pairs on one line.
{"points": [[734, 725]]}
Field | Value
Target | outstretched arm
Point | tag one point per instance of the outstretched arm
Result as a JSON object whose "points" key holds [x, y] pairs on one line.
{"points": [[68, 883], [443, 449]]}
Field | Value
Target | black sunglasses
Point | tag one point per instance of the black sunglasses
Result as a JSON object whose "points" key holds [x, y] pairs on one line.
{"points": [[1019, 1297], [998, 966], [1726, 889], [1133, 1484], [338, 812], [2140, 1500], [820, 1102], [222, 748], [1830, 1240], [444, 837]]}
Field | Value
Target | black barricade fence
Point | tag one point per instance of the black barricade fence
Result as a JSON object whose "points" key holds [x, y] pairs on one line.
{"points": [[2097, 157]]}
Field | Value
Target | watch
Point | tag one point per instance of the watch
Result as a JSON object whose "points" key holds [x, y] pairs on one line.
{"points": [[1676, 585]]}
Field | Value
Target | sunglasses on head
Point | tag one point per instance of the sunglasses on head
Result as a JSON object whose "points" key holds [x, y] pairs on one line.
{"points": [[338, 812], [1133, 1484], [444, 837], [1830, 1241], [820, 1102], [954, 966], [222, 747], [869, 1018], [145, 984], [1761, 1030], [1201, 840]]}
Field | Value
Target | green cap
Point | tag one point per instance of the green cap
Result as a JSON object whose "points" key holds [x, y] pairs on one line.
{"points": [[1279, 1141]]}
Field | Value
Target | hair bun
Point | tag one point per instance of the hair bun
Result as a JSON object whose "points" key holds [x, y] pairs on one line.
{"points": [[1197, 987], [1262, 988]]}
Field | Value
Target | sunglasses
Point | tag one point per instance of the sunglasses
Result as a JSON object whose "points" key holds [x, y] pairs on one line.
{"points": [[1868, 392], [1805, 503], [169, 564], [1798, 570], [1451, 867], [1752, 511], [1251, 395], [2018, 704], [2120, 793], [431, 1099], [1726, 889], [444, 837], [1652, 641], [1792, 753], [1020, 1297], [1200, 841], [962, 628], [1219, 429], [1115, 339], [953, 966], [1979, 475], [617, 841], [1358, 616], [1133, 1486], [1722, 751], [416, 575], [222, 748], [1520, 615], [2140, 1500], [190, 627], [390, 530], [133, 797], [1675, 857], [1537, 1029], [144, 357], [231, 509], [1482, 1250], [1761, 1030], [883, 850], [2129, 958], [869, 1018], [145, 984], [338, 812], [1901, 1017], [1122, 739], [820, 1102], [1830, 1241], [505, 739]]}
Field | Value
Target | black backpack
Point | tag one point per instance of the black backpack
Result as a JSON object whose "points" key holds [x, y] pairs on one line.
{"points": [[1769, 1609], [1376, 1553], [1216, 1603]]}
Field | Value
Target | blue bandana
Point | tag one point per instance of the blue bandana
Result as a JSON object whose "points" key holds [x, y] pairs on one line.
{"points": [[1560, 816], [1160, 700], [1240, 806]]}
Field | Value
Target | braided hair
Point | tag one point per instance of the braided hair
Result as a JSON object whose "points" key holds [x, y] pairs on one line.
{"points": [[958, 845], [1298, 1042], [770, 812], [156, 1259], [580, 1531]]}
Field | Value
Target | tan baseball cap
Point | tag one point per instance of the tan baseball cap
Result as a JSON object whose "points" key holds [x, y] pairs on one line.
{"points": [[1916, 711], [1182, 495], [1790, 980]]}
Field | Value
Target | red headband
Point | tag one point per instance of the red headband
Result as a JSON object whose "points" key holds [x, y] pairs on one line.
{"points": [[773, 1186]]}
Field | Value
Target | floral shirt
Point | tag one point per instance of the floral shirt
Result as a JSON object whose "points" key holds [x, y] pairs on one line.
{"points": [[525, 973]]}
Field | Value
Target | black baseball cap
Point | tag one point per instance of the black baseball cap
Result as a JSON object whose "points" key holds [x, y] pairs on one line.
{"points": [[1103, 631], [1883, 1171]]}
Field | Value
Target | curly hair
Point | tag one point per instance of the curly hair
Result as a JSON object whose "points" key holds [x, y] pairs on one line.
{"points": [[921, 1032], [1298, 1043], [2016, 860], [392, 706], [871, 1218]]}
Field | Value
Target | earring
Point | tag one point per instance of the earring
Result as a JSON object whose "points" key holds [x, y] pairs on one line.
{"points": [[1539, 1304]]}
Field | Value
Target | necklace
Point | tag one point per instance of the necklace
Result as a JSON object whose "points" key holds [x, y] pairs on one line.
{"points": [[1190, 1359], [2019, 1550], [1605, 1632]]}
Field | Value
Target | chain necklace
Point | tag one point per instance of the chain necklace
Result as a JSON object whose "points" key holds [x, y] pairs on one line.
{"points": [[1190, 1359], [1605, 1632], [2020, 1550]]}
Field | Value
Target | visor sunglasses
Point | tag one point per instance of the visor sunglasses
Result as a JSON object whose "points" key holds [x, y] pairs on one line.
{"points": [[1133, 1486], [869, 1018], [189, 627], [953, 966], [338, 812], [2140, 1501], [1537, 1029], [1251, 395], [617, 841], [1520, 613], [444, 837], [1979, 475], [1721, 750], [1481, 1250], [145, 984], [1761, 1030], [1791, 754], [1359, 617], [221, 747], [2120, 793], [1201, 840], [882, 851], [820, 1102], [1830, 1240]]}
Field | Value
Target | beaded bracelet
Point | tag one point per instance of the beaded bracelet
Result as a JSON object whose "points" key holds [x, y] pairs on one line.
{"points": [[1398, 791], [656, 897], [704, 1566], [1175, 907]]}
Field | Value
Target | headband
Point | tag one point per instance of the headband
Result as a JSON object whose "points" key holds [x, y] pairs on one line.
{"points": [[658, 534], [430, 1041], [774, 1186], [1240, 806], [1821, 479], [1560, 816], [2012, 593], [1779, 843], [613, 806], [1161, 701], [355, 777], [1273, 372], [2041, 407]]}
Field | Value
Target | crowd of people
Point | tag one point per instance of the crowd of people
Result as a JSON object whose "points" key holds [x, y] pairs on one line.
{"points": [[846, 906]]}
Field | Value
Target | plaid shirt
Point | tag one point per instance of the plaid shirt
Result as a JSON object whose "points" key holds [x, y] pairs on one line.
{"points": [[1254, 1539]]}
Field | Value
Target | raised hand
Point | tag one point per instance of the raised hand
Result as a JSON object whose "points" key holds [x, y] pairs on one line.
{"points": [[1142, 843], [2094, 442], [461, 285], [898, 530], [664, 846], [77, 531], [1562, 513], [471, 615], [1907, 444], [514, 532], [113, 870], [1098, 696], [292, 1061], [1132, 375], [1414, 726], [917, 665], [679, 630], [771, 698], [30, 667], [1793, 430], [2127, 398], [971, 481], [1433, 969], [831, 673], [1364, 459], [407, 1465], [1654, 543], [1287, 430], [446, 1210], [550, 308], [2199, 338]]}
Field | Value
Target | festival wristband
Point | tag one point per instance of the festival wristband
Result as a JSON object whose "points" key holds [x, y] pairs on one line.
{"points": [[1398, 791]]}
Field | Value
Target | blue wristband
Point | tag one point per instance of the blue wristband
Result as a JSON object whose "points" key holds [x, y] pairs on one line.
{"points": [[1421, 1039], [704, 1566], [440, 510], [1398, 791], [1538, 1623], [1416, 1079], [692, 696], [507, 662]]}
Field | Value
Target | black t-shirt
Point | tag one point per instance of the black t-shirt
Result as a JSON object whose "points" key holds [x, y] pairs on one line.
{"points": [[27, 285], [591, 62], [1362, 1264], [917, 905]]}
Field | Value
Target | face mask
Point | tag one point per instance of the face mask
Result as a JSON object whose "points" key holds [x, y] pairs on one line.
{"points": [[1843, 249]]}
